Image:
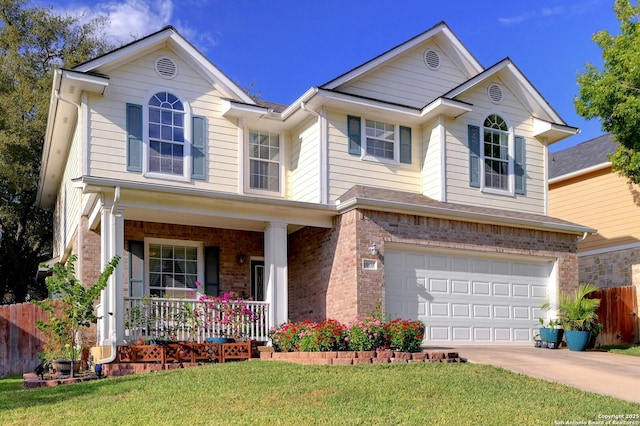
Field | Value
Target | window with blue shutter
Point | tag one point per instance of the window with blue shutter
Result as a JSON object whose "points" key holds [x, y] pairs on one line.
{"points": [[134, 137], [354, 135], [405, 145], [474, 156], [198, 147], [136, 269], [519, 165]]}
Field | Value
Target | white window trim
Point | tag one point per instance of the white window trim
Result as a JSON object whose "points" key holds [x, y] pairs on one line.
{"points": [[198, 244], [396, 143], [511, 182], [186, 171], [246, 173]]}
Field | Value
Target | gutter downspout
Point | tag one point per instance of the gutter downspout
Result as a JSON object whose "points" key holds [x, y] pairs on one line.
{"points": [[584, 237], [112, 297]]}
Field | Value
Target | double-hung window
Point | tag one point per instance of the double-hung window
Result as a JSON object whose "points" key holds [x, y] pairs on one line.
{"points": [[378, 140], [264, 161], [164, 140], [496, 153], [496, 157], [174, 268], [166, 134]]}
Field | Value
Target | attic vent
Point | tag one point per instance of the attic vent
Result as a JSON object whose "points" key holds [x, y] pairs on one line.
{"points": [[432, 59], [495, 93], [166, 67]]}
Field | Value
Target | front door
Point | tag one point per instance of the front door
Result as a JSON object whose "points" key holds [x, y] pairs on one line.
{"points": [[257, 280]]}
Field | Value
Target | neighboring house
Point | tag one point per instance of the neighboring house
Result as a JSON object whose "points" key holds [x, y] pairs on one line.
{"points": [[415, 182], [583, 188]]}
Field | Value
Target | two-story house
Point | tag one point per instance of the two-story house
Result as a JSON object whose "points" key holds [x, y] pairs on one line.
{"points": [[416, 182]]}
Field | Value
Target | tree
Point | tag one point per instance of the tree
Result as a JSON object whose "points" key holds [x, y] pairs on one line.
{"points": [[33, 41], [612, 95]]}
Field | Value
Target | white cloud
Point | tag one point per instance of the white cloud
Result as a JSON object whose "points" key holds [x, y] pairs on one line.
{"points": [[526, 16], [128, 19]]}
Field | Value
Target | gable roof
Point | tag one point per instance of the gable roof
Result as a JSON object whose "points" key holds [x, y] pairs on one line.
{"points": [[584, 157], [360, 196], [441, 32], [167, 37]]}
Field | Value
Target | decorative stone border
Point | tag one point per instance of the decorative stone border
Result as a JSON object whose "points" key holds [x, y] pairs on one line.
{"points": [[368, 357]]}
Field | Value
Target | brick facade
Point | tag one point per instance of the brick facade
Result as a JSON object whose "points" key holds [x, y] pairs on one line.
{"points": [[326, 278], [233, 276], [610, 269]]}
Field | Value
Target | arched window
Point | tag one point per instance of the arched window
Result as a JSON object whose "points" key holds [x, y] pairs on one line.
{"points": [[496, 153], [166, 134]]}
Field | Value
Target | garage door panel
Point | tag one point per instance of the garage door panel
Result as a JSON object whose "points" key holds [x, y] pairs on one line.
{"points": [[480, 288], [460, 286], [467, 299], [501, 289]]}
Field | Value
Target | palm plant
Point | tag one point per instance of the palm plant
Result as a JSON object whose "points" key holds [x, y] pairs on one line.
{"points": [[577, 312]]}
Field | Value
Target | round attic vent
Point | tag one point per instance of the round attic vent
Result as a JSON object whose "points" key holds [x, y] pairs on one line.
{"points": [[166, 67], [495, 93], [432, 59]]}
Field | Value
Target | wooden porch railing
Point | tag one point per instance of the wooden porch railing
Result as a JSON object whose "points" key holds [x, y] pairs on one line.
{"points": [[174, 319]]}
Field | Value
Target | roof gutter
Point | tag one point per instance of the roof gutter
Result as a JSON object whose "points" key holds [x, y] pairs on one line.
{"points": [[477, 217], [581, 172]]}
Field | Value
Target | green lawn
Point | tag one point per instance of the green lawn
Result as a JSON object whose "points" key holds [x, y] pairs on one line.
{"points": [[279, 393], [633, 350]]}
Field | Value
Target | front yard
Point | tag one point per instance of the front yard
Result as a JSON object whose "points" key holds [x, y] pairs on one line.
{"points": [[289, 394]]}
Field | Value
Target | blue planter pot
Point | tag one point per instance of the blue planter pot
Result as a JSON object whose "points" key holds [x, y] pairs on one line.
{"points": [[219, 340], [551, 335], [577, 340]]}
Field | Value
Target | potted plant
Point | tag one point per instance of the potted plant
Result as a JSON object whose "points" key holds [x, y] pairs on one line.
{"points": [[232, 315], [70, 308], [578, 316], [550, 334]]}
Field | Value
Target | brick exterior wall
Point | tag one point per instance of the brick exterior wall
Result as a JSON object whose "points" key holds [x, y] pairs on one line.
{"points": [[233, 276], [326, 279], [611, 269]]}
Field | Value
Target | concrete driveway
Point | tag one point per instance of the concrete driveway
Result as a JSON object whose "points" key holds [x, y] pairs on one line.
{"points": [[600, 372]]}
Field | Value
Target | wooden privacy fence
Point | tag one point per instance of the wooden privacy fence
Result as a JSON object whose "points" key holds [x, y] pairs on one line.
{"points": [[618, 314], [20, 339]]}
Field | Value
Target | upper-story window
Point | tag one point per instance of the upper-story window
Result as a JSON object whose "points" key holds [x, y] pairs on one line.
{"points": [[166, 134], [496, 157], [386, 142], [496, 153], [165, 140], [381, 140], [264, 161]]}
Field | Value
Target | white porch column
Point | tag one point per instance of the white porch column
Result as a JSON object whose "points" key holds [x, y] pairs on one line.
{"points": [[275, 267], [111, 324], [105, 323]]}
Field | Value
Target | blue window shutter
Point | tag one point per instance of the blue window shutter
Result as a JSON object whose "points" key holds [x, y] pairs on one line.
{"points": [[198, 147], [354, 134], [134, 138], [519, 165], [136, 269], [405, 145], [211, 271], [474, 156]]}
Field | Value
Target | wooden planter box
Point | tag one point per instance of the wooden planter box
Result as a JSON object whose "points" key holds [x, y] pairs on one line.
{"points": [[186, 352]]}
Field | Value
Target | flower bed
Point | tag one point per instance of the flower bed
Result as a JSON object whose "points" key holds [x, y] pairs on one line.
{"points": [[368, 333]]}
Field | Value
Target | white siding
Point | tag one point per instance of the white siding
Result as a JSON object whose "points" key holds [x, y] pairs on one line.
{"points": [[345, 170], [407, 80], [432, 170], [68, 204], [131, 84], [457, 154], [305, 164]]}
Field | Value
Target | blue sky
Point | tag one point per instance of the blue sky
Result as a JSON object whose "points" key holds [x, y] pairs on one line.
{"points": [[284, 47]]}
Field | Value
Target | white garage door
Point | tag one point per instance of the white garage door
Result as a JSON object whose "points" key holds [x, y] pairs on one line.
{"points": [[466, 299]]}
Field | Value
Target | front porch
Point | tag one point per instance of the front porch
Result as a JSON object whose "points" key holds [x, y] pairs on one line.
{"points": [[149, 319]]}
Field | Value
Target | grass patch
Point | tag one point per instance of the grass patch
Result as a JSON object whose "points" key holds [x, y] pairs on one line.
{"points": [[633, 350], [280, 393]]}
